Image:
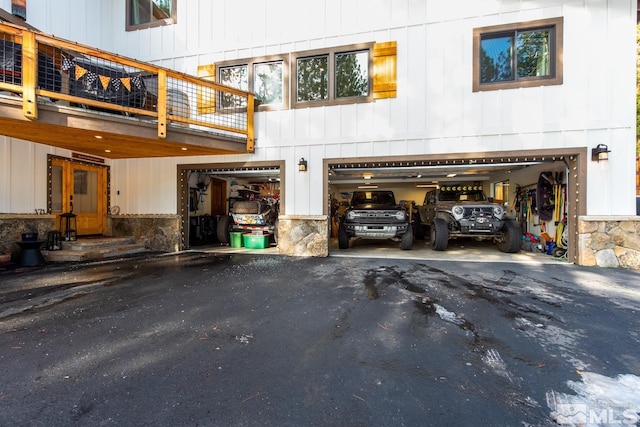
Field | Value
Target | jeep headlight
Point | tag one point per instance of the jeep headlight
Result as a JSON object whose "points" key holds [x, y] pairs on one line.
{"points": [[498, 211], [458, 212], [351, 215], [400, 215]]}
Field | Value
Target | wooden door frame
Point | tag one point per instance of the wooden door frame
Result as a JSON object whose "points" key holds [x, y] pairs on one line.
{"points": [[50, 160]]}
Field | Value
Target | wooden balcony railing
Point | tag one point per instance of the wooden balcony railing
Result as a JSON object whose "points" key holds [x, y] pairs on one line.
{"points": [[36, 66]]}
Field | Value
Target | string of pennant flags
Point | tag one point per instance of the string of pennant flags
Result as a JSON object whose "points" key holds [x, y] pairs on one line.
{"points": [[91, 77]]}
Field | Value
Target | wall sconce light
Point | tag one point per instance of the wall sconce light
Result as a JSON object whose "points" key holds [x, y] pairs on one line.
{"points": [[601, 152], [302, 165]]}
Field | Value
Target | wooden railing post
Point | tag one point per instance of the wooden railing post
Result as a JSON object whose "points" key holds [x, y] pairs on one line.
{"points": [[162, 104], [250, 113], [29, 75]]}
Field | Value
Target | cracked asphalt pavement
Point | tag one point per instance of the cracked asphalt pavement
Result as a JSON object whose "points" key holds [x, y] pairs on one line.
{"points": [[199, 339]]}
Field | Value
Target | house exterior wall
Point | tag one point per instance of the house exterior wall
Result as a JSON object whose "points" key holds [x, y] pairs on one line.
{"points": [[435, 110]]}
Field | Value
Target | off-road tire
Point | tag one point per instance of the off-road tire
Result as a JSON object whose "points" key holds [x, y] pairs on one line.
{"points": [[512, 237], [343, 237], [439, 235], [407, 239], [223, 228]]}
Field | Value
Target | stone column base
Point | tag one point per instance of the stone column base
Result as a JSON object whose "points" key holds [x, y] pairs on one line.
{"points": [[609, 241], [158, 232], [303, 235]]}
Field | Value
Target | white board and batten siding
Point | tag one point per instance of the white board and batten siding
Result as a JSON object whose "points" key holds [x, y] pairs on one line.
{"points": [[435, 110]]}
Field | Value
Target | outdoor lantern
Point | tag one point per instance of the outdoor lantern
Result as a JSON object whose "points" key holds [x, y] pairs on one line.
{"points": [[54, 240], [601, 152], [302, 165]]}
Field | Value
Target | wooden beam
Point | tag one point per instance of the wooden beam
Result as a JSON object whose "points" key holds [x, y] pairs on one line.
{"points": [[29, 75], [250, 113], [162, 104]]}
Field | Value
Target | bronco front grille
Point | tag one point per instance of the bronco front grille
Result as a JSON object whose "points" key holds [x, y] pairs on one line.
{"points": [[376, 216]]}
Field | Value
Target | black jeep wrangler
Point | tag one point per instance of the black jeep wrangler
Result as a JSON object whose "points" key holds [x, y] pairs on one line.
{"points": [[375, 215]]}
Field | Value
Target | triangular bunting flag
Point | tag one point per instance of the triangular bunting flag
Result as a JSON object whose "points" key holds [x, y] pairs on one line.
{"points": [[116, 83], [91, 77], [105, 81], [80, 72], [137, 81], [66, 64], [126, 81]]}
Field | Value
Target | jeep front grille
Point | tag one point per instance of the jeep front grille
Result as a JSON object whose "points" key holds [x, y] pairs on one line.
{"points": [[478, 211]]}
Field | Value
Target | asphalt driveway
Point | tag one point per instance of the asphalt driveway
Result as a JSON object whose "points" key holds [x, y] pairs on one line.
{"points": [[199, 339]]}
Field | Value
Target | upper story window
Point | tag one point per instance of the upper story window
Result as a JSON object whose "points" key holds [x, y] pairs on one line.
{"points": [[340, 75], [150, 13], [265, 77], [334, 76], [518, 55]]}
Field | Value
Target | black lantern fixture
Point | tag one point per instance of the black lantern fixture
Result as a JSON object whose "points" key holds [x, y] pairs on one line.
{"points": [[601, 152], [302, 165]]}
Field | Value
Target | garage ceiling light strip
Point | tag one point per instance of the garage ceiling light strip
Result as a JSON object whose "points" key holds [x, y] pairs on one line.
{"points": [[455, 162], [242, 170], [420, 167]]}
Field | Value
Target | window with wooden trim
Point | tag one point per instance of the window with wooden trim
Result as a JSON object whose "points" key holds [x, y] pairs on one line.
{"points": [[266, 77], [150, 13], [339, 75], [518, 55], [332, 76]]}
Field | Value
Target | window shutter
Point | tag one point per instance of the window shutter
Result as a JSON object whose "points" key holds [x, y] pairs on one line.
{"points": [[384, 70], [206, 102]]}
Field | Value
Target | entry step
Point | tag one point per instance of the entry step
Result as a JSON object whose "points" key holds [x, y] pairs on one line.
{"points": [[89, 249]]}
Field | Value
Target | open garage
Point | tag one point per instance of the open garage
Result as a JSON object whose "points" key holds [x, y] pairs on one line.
{"points": [[546, 215], [220, 202], [511, 179]]}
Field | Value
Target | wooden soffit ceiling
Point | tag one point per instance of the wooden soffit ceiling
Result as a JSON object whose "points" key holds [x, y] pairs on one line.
{"points": [[110, 136]]}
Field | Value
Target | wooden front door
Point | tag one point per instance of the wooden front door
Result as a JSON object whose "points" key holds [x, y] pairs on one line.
{"points": [[80, 188]]}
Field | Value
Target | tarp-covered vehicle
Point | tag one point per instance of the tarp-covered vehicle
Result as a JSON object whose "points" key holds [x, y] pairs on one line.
{"points": [[106, 83], [11, 67]]}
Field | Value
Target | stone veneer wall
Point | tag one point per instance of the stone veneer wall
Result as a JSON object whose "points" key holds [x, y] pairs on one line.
{"points": [[13, 225], [159, 233], [609, 241], [303, 235]]}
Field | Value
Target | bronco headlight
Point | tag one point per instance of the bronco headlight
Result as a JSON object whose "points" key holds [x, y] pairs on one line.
{"points": [[351, 215], [498, 211], [400, 215], [458, 212]]}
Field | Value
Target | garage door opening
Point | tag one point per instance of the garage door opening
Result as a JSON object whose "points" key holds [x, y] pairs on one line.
{"points": [[229, 205], [546, 214]]}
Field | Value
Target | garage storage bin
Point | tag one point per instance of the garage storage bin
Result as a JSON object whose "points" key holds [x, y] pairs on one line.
{"points": [[253, 241], [235, 239]]}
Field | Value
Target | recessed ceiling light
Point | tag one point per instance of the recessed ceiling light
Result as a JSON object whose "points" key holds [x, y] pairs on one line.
{"points": [[98, 136], [183, 148], [107, 151]]}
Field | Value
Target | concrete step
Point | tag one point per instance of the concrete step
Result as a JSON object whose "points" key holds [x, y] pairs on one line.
{"points": [[90, 249]]}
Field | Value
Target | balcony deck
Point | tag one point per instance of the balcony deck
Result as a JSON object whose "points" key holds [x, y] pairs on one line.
{"points": [[66, 95]]}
